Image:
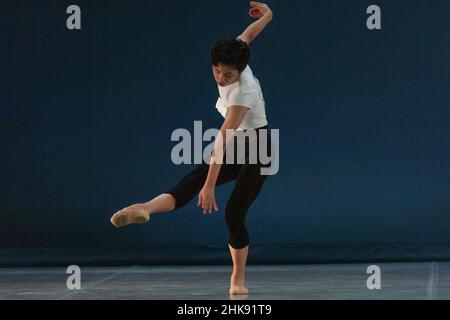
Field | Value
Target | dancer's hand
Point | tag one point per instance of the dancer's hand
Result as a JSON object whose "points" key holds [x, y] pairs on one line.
{"points": [[259, 9], [207, 199]]}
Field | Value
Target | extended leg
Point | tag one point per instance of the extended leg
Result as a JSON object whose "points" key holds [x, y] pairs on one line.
{"points": [[174, 198]]}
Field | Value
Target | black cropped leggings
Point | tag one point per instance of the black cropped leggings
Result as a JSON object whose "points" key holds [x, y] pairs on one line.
{"points": [[249, 182]]}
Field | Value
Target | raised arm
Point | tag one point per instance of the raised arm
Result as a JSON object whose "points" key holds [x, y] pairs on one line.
{"points": [[262, 12]]}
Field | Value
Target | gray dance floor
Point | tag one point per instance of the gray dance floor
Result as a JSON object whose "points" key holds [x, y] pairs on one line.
{"points": [[425, 280]]}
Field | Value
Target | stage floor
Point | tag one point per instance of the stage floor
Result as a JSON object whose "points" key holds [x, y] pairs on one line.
{"points": [[425, 280]]}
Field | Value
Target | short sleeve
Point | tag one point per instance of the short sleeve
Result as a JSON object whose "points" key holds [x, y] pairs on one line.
{"points": [[239, 98]]}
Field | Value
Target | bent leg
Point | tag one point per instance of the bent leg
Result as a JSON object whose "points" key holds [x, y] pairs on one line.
{"points": [[189, 185]]}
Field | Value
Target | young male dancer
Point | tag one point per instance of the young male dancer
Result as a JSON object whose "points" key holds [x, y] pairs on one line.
{"points": [[242, 105]]}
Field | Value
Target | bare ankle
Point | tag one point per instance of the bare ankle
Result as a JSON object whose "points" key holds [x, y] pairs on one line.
{"points": [[238, 276]]}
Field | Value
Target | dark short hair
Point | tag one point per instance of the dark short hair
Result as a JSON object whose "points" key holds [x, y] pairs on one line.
{"points": [[232, 52]]}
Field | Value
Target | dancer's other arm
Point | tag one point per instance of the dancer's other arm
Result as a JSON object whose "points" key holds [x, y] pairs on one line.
{"points": [[233, 119], [264, 14]]}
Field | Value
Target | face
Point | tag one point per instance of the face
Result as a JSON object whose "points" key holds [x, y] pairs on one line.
{"points": [[225, 75]]}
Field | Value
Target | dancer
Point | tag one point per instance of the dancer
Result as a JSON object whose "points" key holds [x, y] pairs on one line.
{"points": [[242, 105]]}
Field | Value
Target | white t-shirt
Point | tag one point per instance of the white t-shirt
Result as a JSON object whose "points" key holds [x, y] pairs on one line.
{"points": [[244, 92]]}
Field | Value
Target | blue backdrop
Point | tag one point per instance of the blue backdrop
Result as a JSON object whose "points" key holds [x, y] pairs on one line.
{"points": [[86, 118]]}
